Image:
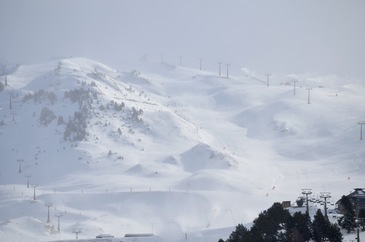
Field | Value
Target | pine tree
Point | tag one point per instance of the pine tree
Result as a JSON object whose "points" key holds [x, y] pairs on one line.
{"points": [[334, 233], [238, 234], [299, 227], [277, 225], [323, 230], [271, 224], [347, 221], [362, 218], [320, 225], [253, 235]]}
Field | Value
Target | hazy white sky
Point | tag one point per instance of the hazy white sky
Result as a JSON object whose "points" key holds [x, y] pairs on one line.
{"points": [[323, 36]]}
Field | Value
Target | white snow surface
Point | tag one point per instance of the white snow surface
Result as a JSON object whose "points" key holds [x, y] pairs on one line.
{"points": [[188, 156]]}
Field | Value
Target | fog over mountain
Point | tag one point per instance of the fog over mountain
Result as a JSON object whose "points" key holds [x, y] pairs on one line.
{"points": [[325, 37], [177, 118]]}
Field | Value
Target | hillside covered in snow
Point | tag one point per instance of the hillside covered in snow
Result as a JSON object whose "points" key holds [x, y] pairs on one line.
{"points": [[165, 149]]}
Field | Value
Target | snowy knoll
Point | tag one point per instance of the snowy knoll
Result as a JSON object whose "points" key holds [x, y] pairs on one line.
{"points": [[167, 149]]}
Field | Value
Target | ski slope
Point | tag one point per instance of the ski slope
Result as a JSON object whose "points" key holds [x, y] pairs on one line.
{"points": [[170, 150]]}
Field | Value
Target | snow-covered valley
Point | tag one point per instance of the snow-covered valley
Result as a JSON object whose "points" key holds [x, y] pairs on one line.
{"points": [[170, 150]]}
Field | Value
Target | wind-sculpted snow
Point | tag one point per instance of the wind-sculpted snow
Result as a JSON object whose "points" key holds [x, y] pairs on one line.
{"points": [[167, 149], [203, 157]]}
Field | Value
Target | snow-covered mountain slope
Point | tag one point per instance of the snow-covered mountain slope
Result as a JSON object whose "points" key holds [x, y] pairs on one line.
{"points": [[167, 149]]}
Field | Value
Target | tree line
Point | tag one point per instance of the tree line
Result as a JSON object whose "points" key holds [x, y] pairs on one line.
{"points": [[276, 224]]}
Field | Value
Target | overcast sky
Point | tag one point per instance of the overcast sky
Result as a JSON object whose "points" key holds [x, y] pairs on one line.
{"points": [[292, 36]]}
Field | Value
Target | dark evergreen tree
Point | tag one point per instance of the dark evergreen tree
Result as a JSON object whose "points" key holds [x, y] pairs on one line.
{"points": [[323, 230], [60, 120], [347, 221], [362, 218], [277, 225], [46, 116], [334, 233], [320, 225], [238, 234], [299, 228], [300, 202], [76, 128], [271, 224], [254, 235]]}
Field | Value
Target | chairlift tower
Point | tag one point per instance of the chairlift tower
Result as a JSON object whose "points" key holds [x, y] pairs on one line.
{"points": [[219, 69], [58, 222], [307, 192], [357, 231], [268, 79], [20, 164], [294, 81], [34, 186], [325, 195], [77, 232], [200, 64], [28, 176], [48, 205], [227, 70], [5, 75], [309, 94], [361, 124]]}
